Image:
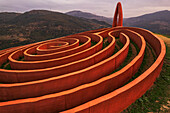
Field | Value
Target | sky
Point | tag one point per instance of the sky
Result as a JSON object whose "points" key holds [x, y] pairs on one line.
{"points": [[131, 8]]}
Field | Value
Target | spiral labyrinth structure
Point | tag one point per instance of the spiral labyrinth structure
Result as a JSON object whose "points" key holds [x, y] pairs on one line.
{"points": [[89, 72]]}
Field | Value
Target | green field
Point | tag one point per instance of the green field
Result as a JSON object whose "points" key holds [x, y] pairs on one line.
{"points": [[157, 99]]}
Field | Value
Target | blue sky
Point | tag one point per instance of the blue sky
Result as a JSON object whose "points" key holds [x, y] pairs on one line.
{"points": [[100, 7]]}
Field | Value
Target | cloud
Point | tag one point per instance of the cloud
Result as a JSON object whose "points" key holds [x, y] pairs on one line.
{"points": [[100, 7]]}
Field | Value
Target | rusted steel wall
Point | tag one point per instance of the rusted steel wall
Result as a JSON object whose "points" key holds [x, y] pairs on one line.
{"points": [[121, 98], [69, 75], [85, 84]]}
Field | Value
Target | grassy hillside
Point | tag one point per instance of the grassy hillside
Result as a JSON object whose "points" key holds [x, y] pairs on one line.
{"points": [[38, 25], [157, 22], [5, 16], [156, 99], [89, 16]]}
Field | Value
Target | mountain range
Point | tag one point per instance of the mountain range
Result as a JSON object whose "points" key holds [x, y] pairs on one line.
{"points": [[158, 22], [37, 25], [89, 16]]}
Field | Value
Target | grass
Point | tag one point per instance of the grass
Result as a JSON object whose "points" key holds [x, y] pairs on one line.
{"points": [[21, 58], [126, 61], [154, 98], [34, 54], [6, 65], [105, 43], [158, 95], [93, 43], [2, 66], [119, 44], [80, 44], [116, 49], [141, 69], [167, 36]]}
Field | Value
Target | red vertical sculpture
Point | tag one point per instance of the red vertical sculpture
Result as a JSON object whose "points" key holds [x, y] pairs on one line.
{"points": [[118, 13]]}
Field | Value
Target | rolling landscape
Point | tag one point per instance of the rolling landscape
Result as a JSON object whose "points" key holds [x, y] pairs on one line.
{"points": [[18, 29], [157, 22], [37, 25]]}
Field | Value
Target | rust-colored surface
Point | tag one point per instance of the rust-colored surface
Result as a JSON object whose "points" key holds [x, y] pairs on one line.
{"points": [[118, 13], [69, 75]]}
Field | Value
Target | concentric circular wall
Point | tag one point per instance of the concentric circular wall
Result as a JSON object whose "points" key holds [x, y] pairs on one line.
{"points": [[89, 72], [84, 75]]}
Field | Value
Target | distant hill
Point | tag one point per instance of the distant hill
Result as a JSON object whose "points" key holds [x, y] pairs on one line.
{"points": [[54, 24], [7, 16], [158, 22], [38, 25], [89, 16], [48, 17]]}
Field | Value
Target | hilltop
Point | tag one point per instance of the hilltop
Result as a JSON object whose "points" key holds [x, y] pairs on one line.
{"points": [[7, 16], [38, 25], [89, 16], [157, 22]]}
